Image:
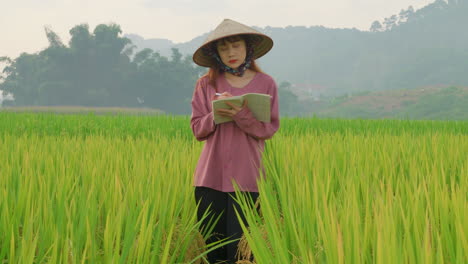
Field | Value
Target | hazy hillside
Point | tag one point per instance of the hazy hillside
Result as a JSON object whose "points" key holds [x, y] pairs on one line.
{"points": [[428, 46], [410, 65], [442, 103]]}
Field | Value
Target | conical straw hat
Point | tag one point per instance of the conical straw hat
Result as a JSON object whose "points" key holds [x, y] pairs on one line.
{"points": [[227, 28]]}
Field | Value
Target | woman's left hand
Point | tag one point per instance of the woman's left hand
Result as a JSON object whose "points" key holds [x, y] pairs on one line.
{"points": [[233, 111]]}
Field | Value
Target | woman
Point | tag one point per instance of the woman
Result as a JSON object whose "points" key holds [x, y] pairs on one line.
{"points": [[232, 150]]}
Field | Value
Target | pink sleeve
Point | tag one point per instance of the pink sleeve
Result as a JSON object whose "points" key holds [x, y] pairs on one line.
{"points": [[201, 121], [257, 129]]}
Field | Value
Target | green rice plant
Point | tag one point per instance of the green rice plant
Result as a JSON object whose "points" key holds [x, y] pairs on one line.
{"points": [[362, 198], [98, 200], [118, 189]]}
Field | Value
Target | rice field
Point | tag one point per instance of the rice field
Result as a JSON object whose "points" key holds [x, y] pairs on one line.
{"points": [[88, 188]]}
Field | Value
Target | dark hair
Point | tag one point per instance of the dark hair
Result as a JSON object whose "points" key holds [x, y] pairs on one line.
{"points": [[230, 39], [214, 70]]}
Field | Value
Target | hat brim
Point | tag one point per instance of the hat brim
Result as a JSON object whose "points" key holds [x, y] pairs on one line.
{"points": [[230, 28]]}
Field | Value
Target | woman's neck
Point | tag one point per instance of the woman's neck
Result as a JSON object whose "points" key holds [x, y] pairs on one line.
{"points": [[247, 75], [240, 82]]}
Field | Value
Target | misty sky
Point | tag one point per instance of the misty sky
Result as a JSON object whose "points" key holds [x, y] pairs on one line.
{"points": [[22, 21]]}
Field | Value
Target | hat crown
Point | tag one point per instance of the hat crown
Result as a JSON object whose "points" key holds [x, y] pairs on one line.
{"points": [[229, 28]]}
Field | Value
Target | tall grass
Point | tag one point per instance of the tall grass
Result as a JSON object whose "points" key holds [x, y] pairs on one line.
{"points": [[100, 198], [118, 189], [363, 198]]}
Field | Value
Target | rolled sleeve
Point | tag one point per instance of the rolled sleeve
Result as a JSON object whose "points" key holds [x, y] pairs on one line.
{"points": [[257, 129], [201, 121]]}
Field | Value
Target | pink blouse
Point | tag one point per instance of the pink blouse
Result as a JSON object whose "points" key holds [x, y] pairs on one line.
{"points": [[232, 150]]}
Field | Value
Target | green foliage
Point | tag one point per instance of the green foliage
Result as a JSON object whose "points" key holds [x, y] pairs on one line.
{"points": [[375, 197], [289, 105], [97, 70], [118, 189]]}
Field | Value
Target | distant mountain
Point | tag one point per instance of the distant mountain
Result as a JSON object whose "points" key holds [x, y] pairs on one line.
{"points": [[164, 46], [160, 45], [411, 49]]}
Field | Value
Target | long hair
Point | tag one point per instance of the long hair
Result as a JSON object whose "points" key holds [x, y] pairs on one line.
{"points": [[214, 70]]}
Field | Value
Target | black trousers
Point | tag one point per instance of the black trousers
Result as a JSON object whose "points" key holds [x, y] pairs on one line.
{"points": [[227, 226]]}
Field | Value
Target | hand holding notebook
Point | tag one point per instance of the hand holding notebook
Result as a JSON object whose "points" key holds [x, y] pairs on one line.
{"points": [[259, 105]]}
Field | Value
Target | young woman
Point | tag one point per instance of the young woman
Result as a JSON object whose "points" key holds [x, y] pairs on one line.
{"points": [[232, 150]]}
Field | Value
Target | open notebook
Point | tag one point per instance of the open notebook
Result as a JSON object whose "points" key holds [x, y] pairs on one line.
{"points": [[259, 105]]}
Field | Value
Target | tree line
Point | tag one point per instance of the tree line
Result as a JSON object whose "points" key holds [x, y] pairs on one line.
{"points": [[99, 68]]}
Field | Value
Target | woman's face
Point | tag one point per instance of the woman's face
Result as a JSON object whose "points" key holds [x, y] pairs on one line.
{"points": [[232, 53]]}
